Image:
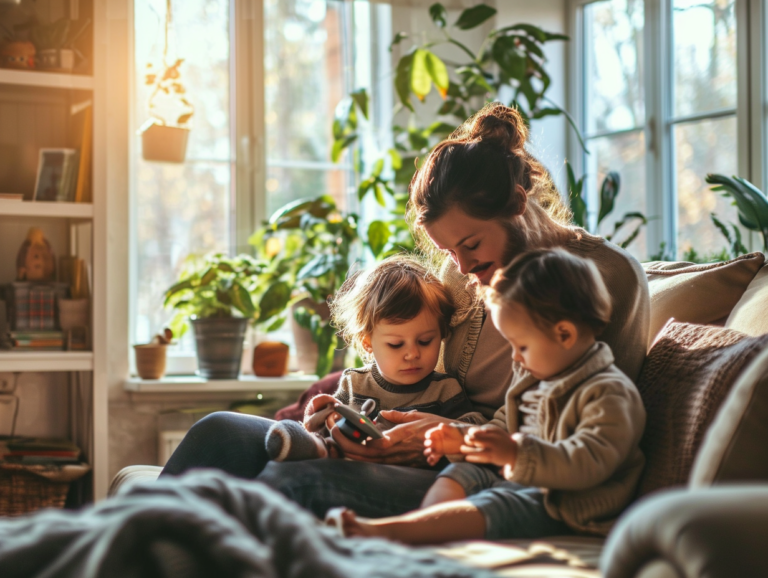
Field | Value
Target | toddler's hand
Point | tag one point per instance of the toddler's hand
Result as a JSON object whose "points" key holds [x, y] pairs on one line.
{"points": [[441, 440], [318, 410], [490, 444]]}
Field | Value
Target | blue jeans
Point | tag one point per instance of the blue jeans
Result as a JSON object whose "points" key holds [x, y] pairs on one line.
{"points": [[511, 510], [234, 443]]}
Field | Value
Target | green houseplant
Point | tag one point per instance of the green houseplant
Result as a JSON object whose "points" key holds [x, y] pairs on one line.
{"points": [[307, 247], [214, 293], [508, 66]]}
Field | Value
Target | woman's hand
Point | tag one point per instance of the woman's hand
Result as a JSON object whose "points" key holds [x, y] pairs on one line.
{"points": [[319, 411], [441, 440], [401, 445], [490, 444]]}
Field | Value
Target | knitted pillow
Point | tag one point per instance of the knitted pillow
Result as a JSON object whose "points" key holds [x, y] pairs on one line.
{"points": [[697, 293], [688, 373], [734, 449], [750, 314]]}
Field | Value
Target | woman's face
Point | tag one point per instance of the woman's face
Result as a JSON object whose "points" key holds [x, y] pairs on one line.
{"points": [[477, 247]]}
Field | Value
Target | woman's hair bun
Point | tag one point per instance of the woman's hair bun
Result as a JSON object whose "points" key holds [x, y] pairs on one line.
{"points": [[498, 124]]}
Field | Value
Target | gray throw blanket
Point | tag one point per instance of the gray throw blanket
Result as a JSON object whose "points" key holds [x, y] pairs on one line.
{"points": [[202, 524]]}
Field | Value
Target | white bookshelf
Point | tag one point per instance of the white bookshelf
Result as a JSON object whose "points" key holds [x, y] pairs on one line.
{"points": [[182, 384], [15, 208], [45, 79], [46, 361], [35, 113]]}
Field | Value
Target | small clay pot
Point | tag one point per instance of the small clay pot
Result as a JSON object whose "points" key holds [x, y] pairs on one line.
{"points": [[270, 359], [150, 360]]}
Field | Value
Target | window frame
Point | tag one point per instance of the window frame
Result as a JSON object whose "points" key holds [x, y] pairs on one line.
{"points": [[248, 165], [661, 191]]}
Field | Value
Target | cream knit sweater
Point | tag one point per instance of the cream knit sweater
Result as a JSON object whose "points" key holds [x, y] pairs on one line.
{"points": [[480, 358], [586, 456]]}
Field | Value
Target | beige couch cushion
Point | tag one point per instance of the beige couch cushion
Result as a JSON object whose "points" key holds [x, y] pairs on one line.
{"points": [[697, 293], [685, 378], [750, 314], [735, 448]]}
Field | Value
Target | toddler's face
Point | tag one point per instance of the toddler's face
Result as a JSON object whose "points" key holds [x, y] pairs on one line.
{"points": [[406, 352], [538, 350]]}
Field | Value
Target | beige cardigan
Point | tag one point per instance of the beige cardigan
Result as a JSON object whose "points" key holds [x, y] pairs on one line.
{"points": [[487, 372], [587, 456]]}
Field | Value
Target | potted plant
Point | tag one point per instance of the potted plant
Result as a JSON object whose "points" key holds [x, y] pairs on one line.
{"points": [[214, 293], [307, 247], [165, 134]]}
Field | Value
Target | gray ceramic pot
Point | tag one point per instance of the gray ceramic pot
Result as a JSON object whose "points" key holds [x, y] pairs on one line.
{"points": [[219, 346]]}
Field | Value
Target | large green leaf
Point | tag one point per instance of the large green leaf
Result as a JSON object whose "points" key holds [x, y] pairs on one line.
{"points": [[378, 235], [403, 80], [175, 289], [509, 57], [577, 203], [241, 300], [438, 73], [316, 267], [750, 202], [475, 16], [339, 146], [609, 190], [326, 347], [399, 37], [361, 100], [535, 32], [274, 300], [397, 160], [439, 15], [421, 83]]}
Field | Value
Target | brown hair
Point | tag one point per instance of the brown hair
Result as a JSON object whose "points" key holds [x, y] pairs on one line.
{"points": [[479, 167], [395, 290], [554, 285]]}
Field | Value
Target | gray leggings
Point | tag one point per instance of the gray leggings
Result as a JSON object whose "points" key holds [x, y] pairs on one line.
{"points": [[510, 510]]}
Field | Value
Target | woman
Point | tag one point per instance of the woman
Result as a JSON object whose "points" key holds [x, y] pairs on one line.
{"points": [[479, 198]]}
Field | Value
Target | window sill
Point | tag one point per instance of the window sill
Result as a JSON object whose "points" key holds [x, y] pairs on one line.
{"points": [[194, 384]]}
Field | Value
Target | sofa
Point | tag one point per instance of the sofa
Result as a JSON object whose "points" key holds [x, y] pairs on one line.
{"points": [[702, 508]]}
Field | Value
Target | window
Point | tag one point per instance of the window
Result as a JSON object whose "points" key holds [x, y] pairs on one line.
{"points": [[182, 208], [314, 53], [658, 87]]}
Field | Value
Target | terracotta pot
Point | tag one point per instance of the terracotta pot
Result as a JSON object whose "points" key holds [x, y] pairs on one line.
{"points": [[270, 359], [162, 143], [306, 348], [150, 360]]}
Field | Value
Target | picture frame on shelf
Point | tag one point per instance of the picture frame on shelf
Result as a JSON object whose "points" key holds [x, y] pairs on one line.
{"points": [[56, 175]]}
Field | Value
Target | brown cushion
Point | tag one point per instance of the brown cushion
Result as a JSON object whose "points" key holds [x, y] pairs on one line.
{"points": [[735, 448], [697, 293], [688, 373], [750, 314]]}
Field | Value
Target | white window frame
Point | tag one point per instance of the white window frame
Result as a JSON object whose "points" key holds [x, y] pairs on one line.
{"points": [[661, 192], [249, 164]]}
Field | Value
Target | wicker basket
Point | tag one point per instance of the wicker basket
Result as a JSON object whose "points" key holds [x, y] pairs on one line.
{"points": [[26, 488]]}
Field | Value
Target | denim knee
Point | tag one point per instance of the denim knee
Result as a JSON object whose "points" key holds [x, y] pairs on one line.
{"points": [[472, 477]]}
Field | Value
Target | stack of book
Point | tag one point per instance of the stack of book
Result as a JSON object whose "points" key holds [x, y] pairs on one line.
{"points": [[25, 450], [28, 340]]}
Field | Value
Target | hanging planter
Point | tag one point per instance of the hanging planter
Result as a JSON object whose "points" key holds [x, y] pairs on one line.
{"points": [[164, 136]]}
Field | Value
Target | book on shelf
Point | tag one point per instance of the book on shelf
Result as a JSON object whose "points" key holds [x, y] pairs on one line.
{"points": [[36, 340], [82, 128], [30, 450]]}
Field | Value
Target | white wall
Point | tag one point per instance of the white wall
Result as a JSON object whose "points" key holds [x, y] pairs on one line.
{"points": [[549, 135]]}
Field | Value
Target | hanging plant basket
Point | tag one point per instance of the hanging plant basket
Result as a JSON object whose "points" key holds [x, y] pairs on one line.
{"points": [[164, 136], [163, 143]]}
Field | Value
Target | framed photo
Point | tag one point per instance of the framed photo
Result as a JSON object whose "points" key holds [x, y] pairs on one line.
{"points": [[56, 175]]}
